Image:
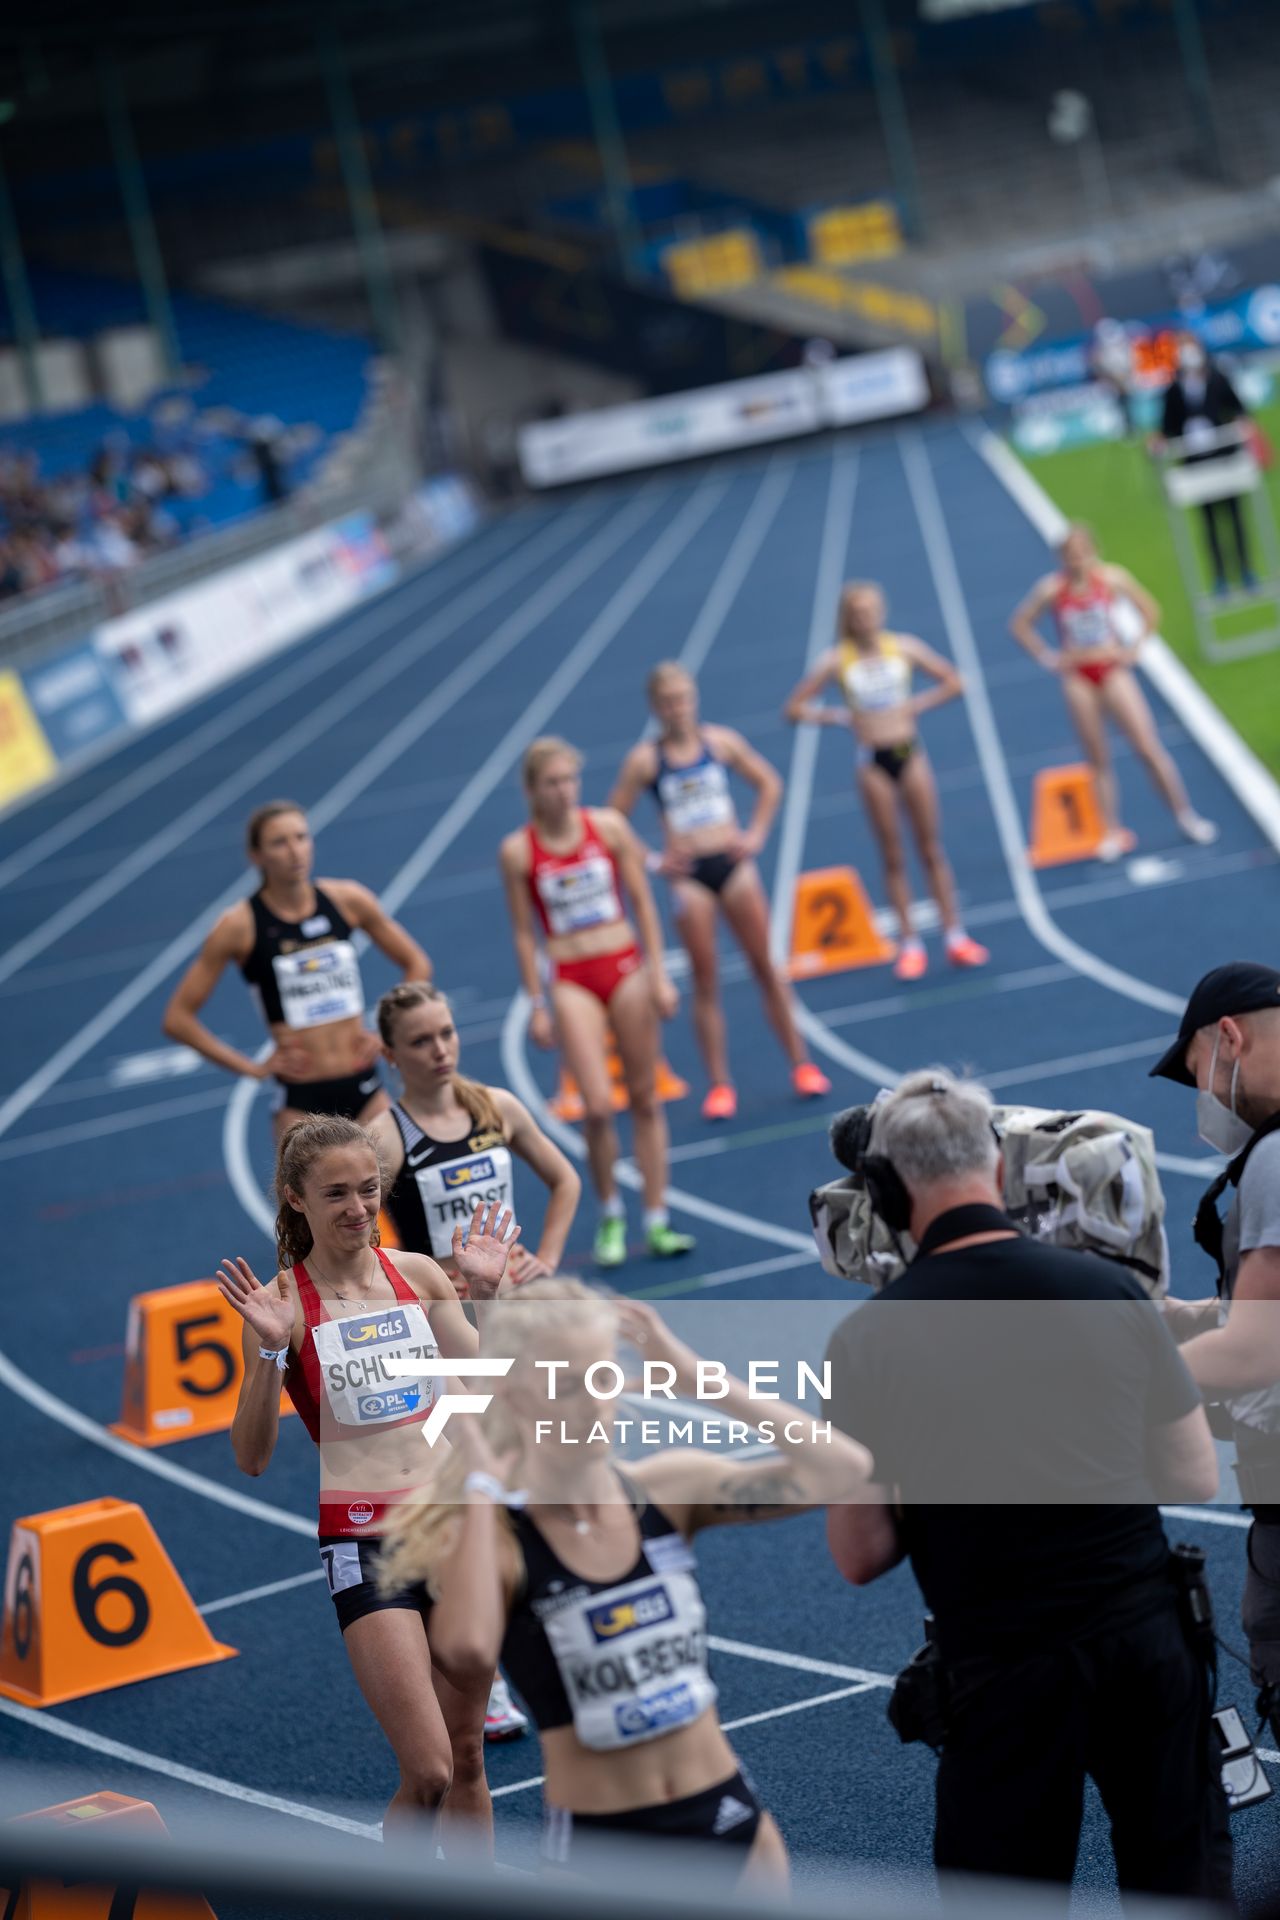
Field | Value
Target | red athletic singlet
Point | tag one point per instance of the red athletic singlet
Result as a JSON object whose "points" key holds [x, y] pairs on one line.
{"points": [[574, 891]]}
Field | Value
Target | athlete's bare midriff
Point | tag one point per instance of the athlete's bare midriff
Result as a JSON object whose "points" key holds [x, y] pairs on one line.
{"points": [[331, 1052], [671, 1767]]}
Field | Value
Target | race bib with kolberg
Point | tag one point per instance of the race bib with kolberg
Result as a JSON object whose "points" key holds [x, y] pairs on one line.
{"points": [[694, 797], [632, 1659], [579, 896], [453, 1189], [359, 1391], [319, 984]]}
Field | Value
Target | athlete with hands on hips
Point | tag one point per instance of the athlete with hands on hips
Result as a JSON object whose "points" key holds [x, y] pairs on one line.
{"points": [[336, 1312], [709, 858], [567, 872], [292, 942], [1095, 661]]}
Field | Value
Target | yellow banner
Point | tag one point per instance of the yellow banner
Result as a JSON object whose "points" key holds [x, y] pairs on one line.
{"points": [[26, 758]]}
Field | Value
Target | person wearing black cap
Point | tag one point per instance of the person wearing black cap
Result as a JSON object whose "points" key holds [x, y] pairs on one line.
{"points": [[1228, 1048]]}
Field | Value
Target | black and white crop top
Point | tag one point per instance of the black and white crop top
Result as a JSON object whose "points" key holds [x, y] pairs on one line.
{"points": [[622, 1661], [306, 972], [442, 1182]]}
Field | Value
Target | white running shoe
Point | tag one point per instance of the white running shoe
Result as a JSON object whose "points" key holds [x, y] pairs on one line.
{"points": [[1195, 827], [1112, 847], [503, 1719]]}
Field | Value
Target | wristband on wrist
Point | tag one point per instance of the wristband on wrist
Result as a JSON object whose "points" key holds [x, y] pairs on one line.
{"points": [[280, 1355], [490, 1485]]}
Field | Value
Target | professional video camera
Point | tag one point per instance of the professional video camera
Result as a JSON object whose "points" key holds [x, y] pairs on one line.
{"points": [[1082, 1179]]}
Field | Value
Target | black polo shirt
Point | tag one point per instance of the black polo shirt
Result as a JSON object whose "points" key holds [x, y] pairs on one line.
{"points": [[1008, 1391]]}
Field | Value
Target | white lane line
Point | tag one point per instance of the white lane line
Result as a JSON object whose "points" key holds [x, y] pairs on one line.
{"points": [[797, 1706], [185, 1776], [383, 668], [80, 1424], [1208, 1516], [1078, 1063], [799, 1662], [606, 626], [305, 665], [725, 1276], [841, 493], [515, 1067], [745, 550], [262, 1593], [1252, 783], [728, 1726], [120, 1122], [964, 648], [502, 641]]}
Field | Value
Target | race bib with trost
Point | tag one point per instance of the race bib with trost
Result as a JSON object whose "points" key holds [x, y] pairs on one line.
{"points": [[319, 984], [632, 1658], [451, 1190], [358, 1389], [694, 797], [580, 896]]}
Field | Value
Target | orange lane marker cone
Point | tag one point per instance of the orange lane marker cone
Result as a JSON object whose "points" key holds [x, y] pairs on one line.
{"points": [[91, 1601], [567, 1104], [1066, 820], [833, 927], [183, 1365], [53, 1900]]}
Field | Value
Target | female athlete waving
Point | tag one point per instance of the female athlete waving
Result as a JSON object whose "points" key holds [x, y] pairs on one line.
{"points": [[873, 670], [570, 868], [1095, 664], [338, 1311], [710, 861], [292, 942]]}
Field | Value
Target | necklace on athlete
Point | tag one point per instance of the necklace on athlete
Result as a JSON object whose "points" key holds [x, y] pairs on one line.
{"points": [[346, 1299]]}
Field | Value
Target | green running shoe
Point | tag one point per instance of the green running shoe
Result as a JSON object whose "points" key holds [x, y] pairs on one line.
{"points": [[664, 1242], [610, 1248]]}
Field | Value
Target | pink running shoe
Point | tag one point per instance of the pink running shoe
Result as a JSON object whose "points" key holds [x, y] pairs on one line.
{"points": [[810, 1082], [912, 962], [720, 1104], [962, 951]]}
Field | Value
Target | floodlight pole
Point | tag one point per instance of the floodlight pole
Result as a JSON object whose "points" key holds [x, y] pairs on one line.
{"points": [[13, 271], [610, 145], [893, 117], [361, 199], [147, 258], [1186, 21]]}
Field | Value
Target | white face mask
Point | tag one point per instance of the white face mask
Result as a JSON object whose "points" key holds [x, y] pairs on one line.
{"points": [[1221, 1127]]}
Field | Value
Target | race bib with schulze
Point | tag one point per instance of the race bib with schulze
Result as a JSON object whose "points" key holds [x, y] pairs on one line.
{"points": [[319, 984], [580, 896], [633, 1659], [359, 1391]]}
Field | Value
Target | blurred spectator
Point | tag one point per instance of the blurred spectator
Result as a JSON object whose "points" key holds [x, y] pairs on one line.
{"points": [[101, 520], [267, 450], [1199, 404], [1111, 363]]}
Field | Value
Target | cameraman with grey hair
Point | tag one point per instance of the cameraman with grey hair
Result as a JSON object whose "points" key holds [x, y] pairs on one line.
{"points": [[1023, 1403]]}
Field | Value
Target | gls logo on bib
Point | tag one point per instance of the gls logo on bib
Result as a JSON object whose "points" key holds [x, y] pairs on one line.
{"points": [[390, 1326], [644, 1609], [468, 1173]]}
